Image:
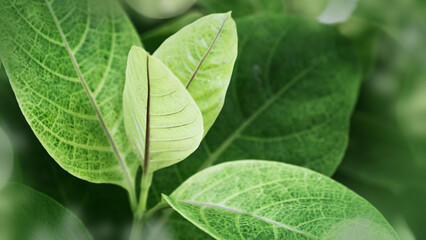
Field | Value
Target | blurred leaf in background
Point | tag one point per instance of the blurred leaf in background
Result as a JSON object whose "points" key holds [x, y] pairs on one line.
{"points": [[6, 158], [32, 215], [386, 158], [160, 9], [242, 8]]}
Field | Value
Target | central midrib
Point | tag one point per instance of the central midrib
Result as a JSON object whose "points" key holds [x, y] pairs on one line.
{"points": [[148, 112], [93, 102], [207, 53]]}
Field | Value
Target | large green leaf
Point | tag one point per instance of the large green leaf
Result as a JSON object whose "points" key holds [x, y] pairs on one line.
{"points": [[202, 56], [29, 215], [66, 63], [162, 120], [290, 100], [270, 200]]}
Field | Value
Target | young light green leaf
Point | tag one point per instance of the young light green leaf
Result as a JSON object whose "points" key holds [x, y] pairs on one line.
{"points": [[27, 214], [269, 200], [6, 158], [162, 120], [66, 63], [202, 56]]}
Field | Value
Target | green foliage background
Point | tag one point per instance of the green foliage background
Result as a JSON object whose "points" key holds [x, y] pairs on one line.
{"points": [[386, 158]]}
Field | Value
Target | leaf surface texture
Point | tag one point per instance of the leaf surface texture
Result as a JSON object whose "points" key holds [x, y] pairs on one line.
{"points": [[202, 56], [66, 63], [269, 200]]}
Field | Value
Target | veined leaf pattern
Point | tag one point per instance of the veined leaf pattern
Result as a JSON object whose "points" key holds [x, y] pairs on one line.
{"points": [[66, 63], [162, 120], [202, 56], [270, 200]]}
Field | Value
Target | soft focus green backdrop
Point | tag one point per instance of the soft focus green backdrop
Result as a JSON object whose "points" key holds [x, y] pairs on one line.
{"points": [[386, 158]]}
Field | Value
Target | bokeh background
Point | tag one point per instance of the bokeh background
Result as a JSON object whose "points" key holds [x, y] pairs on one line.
{"points": [[386, 157]]}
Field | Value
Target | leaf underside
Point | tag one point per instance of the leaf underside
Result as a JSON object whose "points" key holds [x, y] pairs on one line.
{"points": [[162, 120]]}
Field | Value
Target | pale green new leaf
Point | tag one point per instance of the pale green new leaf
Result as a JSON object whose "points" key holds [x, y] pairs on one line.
{"points": [[29, 215], [202, 56], [66, 63], [270, 200], [162, 120]]}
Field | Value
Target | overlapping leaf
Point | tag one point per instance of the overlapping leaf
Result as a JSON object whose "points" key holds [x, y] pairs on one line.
{"points": [[202, 56], [66, 63], [270, 200], [162, 120]]}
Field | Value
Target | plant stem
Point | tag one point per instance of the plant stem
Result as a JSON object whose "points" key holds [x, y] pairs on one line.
{"points": [[160, 206], [145, 185], [132, 200], [140, 209], [137, 229]]}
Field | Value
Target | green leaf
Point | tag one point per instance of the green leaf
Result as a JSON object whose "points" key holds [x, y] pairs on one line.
{"points": [[270, 200], [66, 63], [29, 215], [202, 56], [6, 158], [294, 86], [160, 9], [162, 120]]}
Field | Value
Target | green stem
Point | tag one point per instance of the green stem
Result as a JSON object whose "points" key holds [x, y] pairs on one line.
{"points": [[157, 208], [145, 185], [137, 229], [140, 209], [132, 200]]}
